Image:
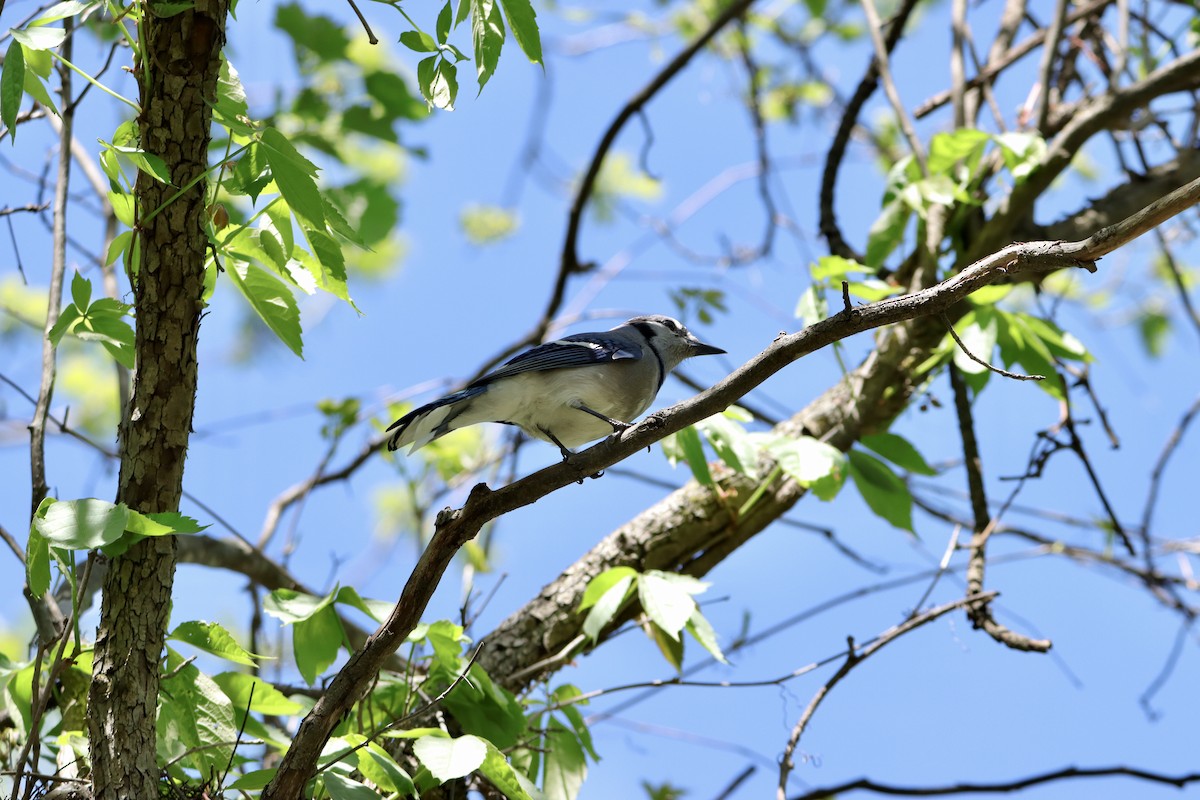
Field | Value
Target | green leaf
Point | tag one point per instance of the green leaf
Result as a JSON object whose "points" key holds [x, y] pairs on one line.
{"points": [[342, 788], [37, 563], [1022, 152], [444, 20], [377, 610], [39, 38], [118, 246], [598, 586], [81, 290], [419, 41], [485, 224], [666, 602], [886, 232], [213, 638], [293, 174], [565, 763], [702, 630], [899, 451], [732, 443], [882, 489], [381, 769], [563, 695], [448, 759], [503, 776], [315, 643], [487, 35], [811, 463], [231, 109], [872, 289], [317, 37], [487, 710], [523, 21], [1154, 326], [812, 306], [252, 781], [66, 320], [606, 606], [266, 698], [670, 646], [67, 8], [12, 86], [833, 269], [123, 207], [444, 86], [147, 525], [948, 149], [82, 524], [290, 606], [195, 716], [271, 300], [688, 441]]}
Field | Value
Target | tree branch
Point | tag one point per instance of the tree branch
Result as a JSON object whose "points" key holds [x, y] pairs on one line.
{"points": [[1066, 773], [853, 659]]}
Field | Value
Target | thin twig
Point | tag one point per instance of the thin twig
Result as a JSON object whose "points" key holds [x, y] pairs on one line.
{"points": [[370, 33], [1000, 787], [855, 657], [967, 352], [982, 526], [1046, 69], [875, 28], [997, 64], [58, 262]]}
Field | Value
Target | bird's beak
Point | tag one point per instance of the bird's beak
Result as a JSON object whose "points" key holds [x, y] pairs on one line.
{"points": [[699, 348]]}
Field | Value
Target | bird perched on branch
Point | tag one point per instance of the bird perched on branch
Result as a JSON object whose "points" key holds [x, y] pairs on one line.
{"points": [[569, 391]]}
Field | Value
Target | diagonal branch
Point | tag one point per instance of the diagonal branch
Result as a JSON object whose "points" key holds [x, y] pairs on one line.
{"points": [[456, 527]]}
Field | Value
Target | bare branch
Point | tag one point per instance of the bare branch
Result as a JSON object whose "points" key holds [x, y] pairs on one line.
{"points": [[837, 148], [966, 351], [853, 659], [875, 28], [1066, 773]]}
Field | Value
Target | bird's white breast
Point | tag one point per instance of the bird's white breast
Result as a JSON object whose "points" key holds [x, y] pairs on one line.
{"points": [[547, 401]]}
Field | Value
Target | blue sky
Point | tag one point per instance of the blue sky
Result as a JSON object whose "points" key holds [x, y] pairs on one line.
{"points": [[942, 705]]}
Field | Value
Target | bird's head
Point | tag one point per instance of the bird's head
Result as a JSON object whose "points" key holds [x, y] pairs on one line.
{"points": [[670, 339]]}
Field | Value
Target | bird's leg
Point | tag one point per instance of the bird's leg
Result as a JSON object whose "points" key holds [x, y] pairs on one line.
{"points": [[617, 425], [566, 454]]}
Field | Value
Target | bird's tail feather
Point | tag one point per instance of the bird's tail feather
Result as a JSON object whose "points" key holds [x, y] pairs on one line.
{"points": [[422, 425]]}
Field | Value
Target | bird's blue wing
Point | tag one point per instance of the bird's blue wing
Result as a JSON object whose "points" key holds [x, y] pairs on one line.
{"points": [[578, 350]]}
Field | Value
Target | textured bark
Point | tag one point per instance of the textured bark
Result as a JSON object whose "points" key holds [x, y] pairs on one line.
{"points": [[181, 61]]}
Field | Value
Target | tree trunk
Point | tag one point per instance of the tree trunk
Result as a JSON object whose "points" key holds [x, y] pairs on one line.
{"points": [[177, 75]]}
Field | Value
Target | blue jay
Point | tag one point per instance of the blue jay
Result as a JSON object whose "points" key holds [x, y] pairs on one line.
{"points": [[569, 391]]}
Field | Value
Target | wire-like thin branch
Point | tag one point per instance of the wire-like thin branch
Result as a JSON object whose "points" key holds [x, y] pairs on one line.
{"points": [[982, 526], [841, 139], [855, 657], [569, 260], [58, 265], [967, 352], [999, 787], [1046, 68], [998, 64], [875, 28]]}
